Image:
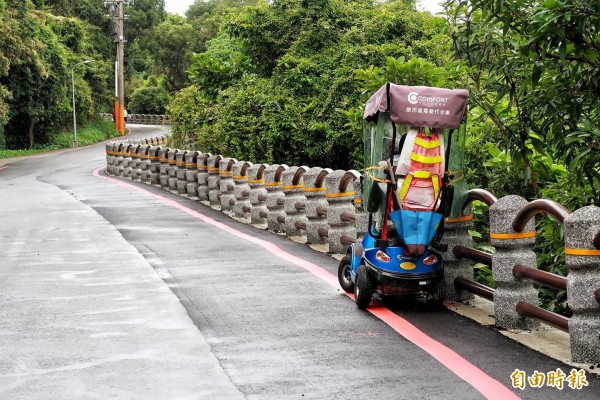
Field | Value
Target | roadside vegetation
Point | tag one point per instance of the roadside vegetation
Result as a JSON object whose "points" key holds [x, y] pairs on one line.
{"points": [[94, 132]]}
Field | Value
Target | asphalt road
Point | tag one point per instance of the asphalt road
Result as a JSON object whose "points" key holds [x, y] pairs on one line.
{"points": [[115, 289]]}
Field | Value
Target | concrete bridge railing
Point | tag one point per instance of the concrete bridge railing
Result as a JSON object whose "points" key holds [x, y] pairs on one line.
{"points": [[323, 207], [142, 119]]}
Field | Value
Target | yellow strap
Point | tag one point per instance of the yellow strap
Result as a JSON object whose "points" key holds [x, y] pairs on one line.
{"points": [[518, 235], [180, 162], [190, 164], [427, 144], [240, 177], [256, 180], [453, 181], [203, 167], [404, 188], [289, 187], [315, 189], [357, 201], [435, 181], [459, 219], [374, 178], [273, 183], [225, 172], [213, 169], [162, 159], [426, 159], [582, 252], [343, 194], [423, 174]]}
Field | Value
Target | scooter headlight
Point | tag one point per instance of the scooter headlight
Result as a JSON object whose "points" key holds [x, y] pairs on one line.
{"points": [[381, 256], [430, 259]]}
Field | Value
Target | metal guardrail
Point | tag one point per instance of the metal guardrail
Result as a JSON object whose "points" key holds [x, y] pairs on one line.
{"points": [[537, 207], [474, 287], [472, 254], [547, 279], [545, 316]]}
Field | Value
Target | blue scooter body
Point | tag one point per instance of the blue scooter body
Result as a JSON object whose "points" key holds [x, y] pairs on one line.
{"points": [[393, 271]]}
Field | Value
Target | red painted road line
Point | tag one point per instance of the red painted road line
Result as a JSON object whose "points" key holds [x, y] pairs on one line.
{"points": [[485, 384]]}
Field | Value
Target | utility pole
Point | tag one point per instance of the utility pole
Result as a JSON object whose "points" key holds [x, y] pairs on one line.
{"points": [[117, 8]]}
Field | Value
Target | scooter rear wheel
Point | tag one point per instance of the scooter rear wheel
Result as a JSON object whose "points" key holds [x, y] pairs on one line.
{"points": [[438, 296], [363, 290], [344, 274]]}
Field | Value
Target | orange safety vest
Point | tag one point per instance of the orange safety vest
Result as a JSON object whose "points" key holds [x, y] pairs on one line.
{"points": [[421, 187]]}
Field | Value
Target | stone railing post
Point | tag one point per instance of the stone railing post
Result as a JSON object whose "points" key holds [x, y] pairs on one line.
{"points": [[241, 190], [456, 233], [154, 168], [275, 196], [226, 183], [118, 161], [143, 163], [125, 161], [202, 166], [582, 229], [258, 194], [362, 218], [181, 182], [191, 174], [163, 158], [213, 181], [314, 191], [512, 248], [172, 170], [111, 156], [340, 197], [147, 164], [136, 170], [133, 160], [293, 189]]}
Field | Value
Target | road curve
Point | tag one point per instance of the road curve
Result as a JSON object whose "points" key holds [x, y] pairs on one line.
{"points": [[116, 289]]}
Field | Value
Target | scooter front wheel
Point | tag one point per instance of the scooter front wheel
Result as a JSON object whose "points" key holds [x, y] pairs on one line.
{"points": [[344, 274], [363, 290]]}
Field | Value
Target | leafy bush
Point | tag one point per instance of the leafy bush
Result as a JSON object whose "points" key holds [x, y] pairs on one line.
{"points": [[149, 100], [277, 84]]}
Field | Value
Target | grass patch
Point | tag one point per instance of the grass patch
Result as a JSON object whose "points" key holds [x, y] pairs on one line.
{"points": [[20, 153], [93, 132]]}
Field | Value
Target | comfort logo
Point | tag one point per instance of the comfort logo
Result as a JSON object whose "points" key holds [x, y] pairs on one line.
{"points": [[413, 97]]}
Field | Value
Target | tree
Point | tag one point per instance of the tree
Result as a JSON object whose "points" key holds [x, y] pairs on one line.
{"points": [[151, 98], [36, 54], [170, 48], [533, 71], [272, 82]]}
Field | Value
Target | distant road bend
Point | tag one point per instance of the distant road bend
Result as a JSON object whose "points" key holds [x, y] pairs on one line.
{"points": [[116, 289]]}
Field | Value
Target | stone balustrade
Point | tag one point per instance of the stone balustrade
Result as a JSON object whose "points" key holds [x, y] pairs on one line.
{"points": [[321, 206]]}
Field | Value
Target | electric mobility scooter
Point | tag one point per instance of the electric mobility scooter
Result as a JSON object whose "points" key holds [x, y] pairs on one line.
{"points": [[414, 140]]}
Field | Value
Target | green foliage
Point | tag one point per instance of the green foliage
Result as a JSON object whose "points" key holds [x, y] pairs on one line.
{"points": [[93, 132], [170, 48], [36, 55], [278, 82], [149, 100], [533, 69]]}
